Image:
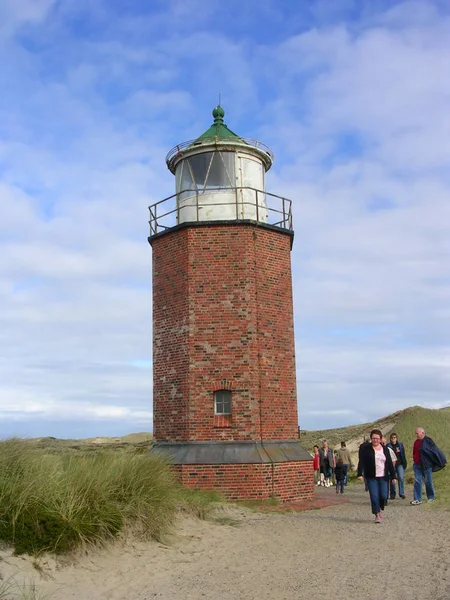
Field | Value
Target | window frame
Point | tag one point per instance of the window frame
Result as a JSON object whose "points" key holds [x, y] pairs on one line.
{"points": [[224, 403]]}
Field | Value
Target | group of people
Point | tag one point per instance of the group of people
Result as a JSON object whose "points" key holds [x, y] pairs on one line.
{"points": [[382, 467], [327, 463]]}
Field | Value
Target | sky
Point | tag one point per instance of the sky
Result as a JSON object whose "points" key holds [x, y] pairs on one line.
{"points": [[353, 98]]}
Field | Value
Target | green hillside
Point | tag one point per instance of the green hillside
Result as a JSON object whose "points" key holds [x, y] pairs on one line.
{"points": [[351, 433]]}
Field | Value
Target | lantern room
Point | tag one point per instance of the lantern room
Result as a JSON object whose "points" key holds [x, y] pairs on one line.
{"points": [[220, 175]]}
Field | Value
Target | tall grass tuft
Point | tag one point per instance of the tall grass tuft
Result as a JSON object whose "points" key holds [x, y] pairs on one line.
{"points": [[51, 502], [11, 590]]}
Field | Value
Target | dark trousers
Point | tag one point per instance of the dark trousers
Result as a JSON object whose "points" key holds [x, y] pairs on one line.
{"points": [[340, 486]]}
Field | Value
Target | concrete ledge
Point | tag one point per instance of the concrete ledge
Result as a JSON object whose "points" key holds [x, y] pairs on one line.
{"points": [[244, 452]]}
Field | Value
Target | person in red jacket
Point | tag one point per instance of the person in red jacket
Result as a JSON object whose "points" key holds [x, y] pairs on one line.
{"points": [[316, 465]]}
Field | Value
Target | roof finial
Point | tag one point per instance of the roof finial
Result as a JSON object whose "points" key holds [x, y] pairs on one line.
{"points": [[218, 113]]}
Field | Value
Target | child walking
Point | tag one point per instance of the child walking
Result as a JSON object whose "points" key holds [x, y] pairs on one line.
{"points": [[339, 474]]}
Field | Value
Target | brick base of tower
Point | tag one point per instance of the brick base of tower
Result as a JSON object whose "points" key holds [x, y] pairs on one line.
{"points": [[243, 470], [287, 482]]}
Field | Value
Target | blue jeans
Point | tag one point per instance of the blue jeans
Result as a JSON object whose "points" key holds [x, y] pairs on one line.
{"points": [[421, 473], [401, 482], [340, 486], [378, 492], [345, 474]]}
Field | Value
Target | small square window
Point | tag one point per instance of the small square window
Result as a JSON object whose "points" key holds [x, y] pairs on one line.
{"points": [[222, 402]]}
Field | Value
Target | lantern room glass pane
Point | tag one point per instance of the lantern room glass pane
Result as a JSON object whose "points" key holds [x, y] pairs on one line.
{"points": [[178, 176], [199, 164], [221, 170], [186, 179], [206, 171]]}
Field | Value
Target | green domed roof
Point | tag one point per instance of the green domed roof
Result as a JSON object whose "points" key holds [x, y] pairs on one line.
{"points": [[218, 128], [218, 135]]}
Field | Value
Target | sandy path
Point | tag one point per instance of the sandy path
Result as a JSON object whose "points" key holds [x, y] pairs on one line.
{"points": [[336, 552]]}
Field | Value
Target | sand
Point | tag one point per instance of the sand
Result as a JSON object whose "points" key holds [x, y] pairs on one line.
{"points": [[336, 552]]}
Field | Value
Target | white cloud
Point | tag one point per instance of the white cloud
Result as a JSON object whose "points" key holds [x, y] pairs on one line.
{"points": [[23, 405], [327, 413]]}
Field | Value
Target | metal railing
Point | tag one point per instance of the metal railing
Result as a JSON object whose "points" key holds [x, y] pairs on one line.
{"points": [[241, 203], [178, 150]]}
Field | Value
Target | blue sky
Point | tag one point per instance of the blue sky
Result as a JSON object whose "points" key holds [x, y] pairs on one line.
{"points": [[353, 98]]}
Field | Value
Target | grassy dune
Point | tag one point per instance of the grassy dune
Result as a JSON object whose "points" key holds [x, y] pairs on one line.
{"points": [[132, 442], [351, 433], [61, 501]]}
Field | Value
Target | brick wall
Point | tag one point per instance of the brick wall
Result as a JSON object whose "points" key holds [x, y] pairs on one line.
{"points": [[223, 319], [287, 482], [278, 394], [170, 337]]}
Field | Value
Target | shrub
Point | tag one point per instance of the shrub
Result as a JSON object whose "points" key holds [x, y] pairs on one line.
{"points": [[59, 502]]}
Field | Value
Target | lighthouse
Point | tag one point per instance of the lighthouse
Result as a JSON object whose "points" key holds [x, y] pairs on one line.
{"points": [[224, 380]]}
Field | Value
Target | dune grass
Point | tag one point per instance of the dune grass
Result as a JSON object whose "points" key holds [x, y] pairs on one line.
{"points": [[58, 502]]}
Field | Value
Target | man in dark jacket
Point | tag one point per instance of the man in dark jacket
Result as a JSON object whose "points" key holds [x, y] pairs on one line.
{"points": [[427, 458], [400, 466]]}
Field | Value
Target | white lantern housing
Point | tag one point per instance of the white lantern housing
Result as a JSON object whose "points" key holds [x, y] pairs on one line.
{"points": [[220, 176]]}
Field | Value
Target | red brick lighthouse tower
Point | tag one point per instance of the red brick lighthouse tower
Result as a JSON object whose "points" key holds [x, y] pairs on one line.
{"points": [[224, 385]]}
